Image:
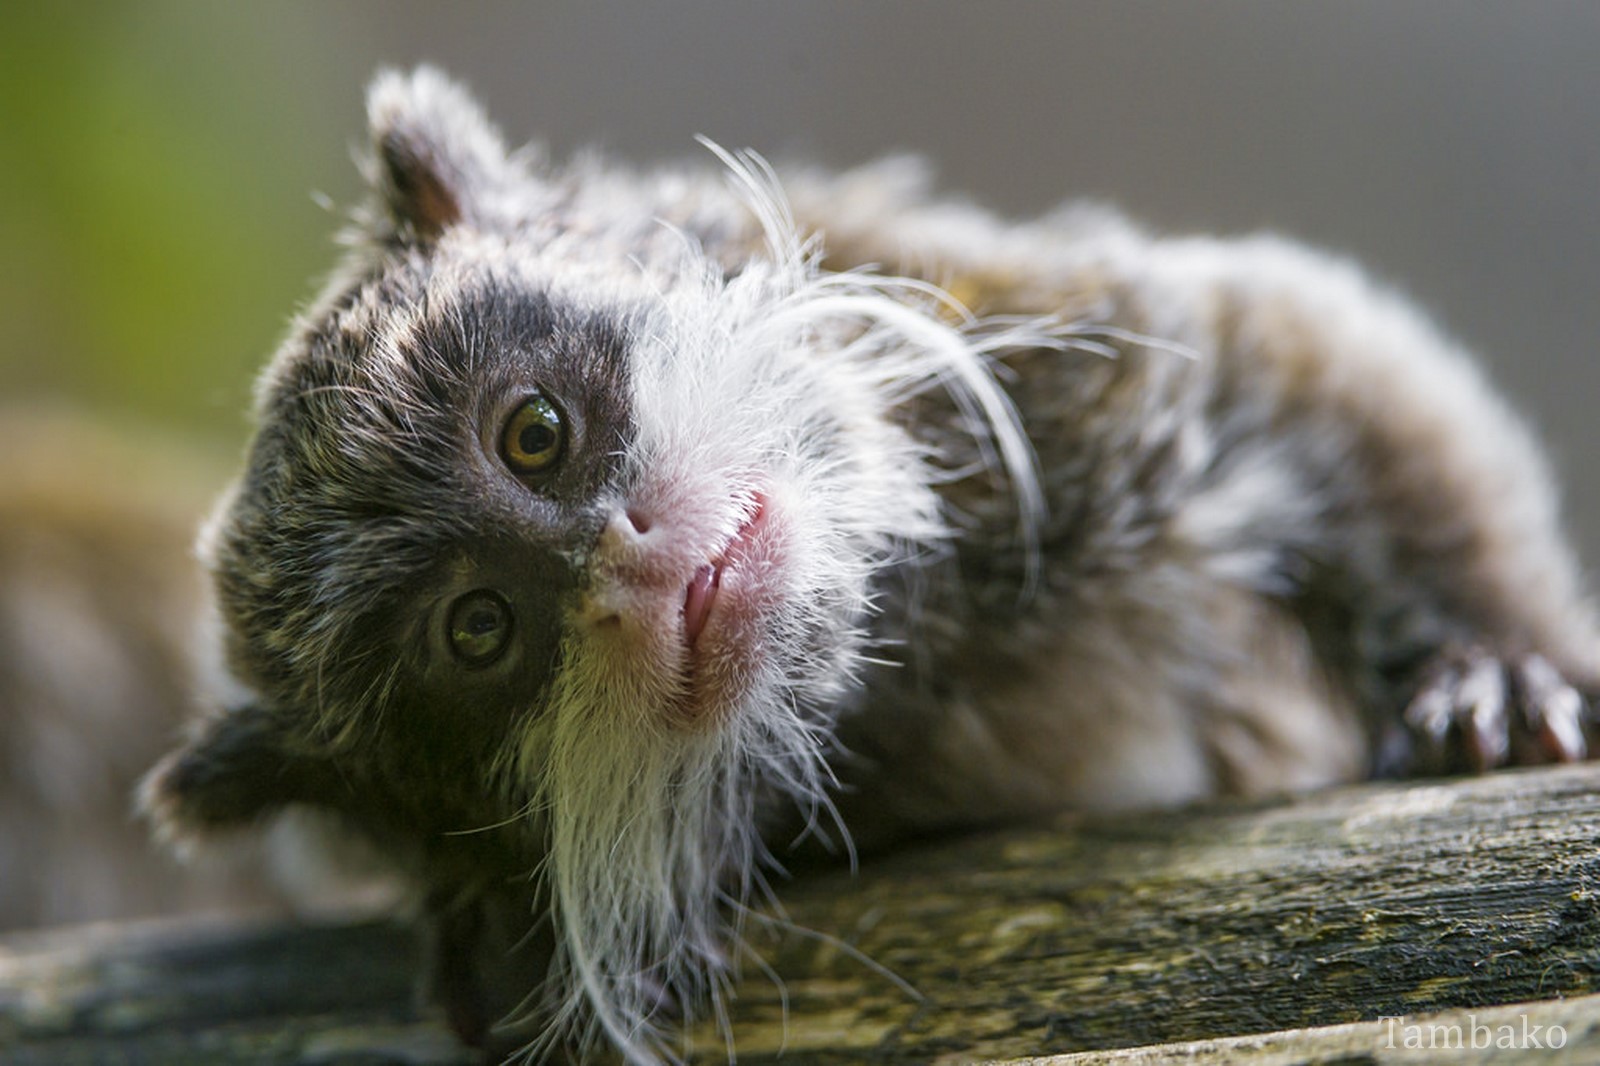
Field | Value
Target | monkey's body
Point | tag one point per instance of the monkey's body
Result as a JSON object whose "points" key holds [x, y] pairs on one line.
{"points": [[595, 524], [1279, 509]]}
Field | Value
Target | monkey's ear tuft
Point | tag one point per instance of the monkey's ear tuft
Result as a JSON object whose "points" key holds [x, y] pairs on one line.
{"points": [[436, 159], [239, 766]]}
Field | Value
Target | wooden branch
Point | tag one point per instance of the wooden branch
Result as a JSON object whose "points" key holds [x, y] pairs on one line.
{"points": [[1091, 933], [214, 992]]}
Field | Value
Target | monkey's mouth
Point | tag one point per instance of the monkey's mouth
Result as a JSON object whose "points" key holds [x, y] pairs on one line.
{"points": [[701, 594], [689, 612]]}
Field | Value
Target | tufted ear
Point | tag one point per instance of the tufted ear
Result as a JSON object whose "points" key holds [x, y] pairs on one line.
{"points": [[436, 159], [238, 767]]}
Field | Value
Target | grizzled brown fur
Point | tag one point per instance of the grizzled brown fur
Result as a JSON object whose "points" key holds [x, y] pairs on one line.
{"points": [[99, 624]]}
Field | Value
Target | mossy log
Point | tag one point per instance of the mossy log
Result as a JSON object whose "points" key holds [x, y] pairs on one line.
{"points": [[1088, 933]]}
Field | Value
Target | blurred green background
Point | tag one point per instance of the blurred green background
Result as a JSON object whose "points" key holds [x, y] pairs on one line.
{"points": [[166, 169], [155, 218]]}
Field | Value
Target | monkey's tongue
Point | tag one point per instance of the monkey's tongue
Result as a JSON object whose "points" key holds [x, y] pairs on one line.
{"points": [[697, 600], [701, 593]]}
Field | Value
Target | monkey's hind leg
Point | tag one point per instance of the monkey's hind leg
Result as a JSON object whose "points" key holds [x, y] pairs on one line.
{"points": [[1470, 635], [1490, 645], [1510, 662]]}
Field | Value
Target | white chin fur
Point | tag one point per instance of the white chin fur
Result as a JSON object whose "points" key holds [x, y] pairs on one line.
{"points": [[777, 380]]}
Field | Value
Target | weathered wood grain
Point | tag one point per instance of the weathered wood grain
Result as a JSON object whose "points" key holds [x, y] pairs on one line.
{"points": [[1088, 933]]}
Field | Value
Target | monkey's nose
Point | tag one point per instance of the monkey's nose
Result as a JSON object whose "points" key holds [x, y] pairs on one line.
{"points": [[623, 539]]}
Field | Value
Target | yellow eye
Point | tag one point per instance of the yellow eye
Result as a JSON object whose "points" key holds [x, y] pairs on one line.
{"points": [[480, 627], [534, 437]]}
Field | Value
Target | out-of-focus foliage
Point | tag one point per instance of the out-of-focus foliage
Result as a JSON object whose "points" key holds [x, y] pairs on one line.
{"points": [[156, 223]]}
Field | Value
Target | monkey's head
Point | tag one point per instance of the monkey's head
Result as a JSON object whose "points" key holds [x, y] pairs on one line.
{"points": [[554, 551]]}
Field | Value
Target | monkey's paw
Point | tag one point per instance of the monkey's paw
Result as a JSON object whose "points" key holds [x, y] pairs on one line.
{"points": [[1475, 711]]}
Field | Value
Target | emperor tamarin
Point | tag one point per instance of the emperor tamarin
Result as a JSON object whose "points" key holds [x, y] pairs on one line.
{"points": [[603, 530]]}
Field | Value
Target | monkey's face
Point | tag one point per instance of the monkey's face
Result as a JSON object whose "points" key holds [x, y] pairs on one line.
{"points": [[551, 559]]}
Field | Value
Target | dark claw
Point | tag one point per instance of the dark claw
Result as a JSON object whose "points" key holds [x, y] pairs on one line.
{"points": [[1481, 710], [1474, 711], [1555, 710]]}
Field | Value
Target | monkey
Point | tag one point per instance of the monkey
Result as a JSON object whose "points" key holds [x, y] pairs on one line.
{"points": [[99, 609], [606, 531]]}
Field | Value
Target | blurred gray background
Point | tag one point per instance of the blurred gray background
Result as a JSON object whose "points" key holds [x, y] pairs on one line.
{"points": [[158, 160]]}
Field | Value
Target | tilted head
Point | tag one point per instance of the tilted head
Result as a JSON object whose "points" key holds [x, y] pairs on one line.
{"points": [[557, 543]]}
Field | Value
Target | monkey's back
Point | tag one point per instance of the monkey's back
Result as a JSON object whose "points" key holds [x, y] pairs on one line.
{"points": [[1283, 510]]}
